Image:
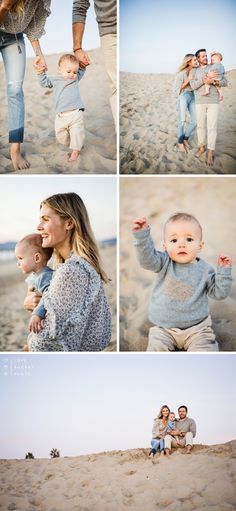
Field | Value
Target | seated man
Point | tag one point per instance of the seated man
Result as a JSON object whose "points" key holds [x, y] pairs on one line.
{"points": [[185, 432]]}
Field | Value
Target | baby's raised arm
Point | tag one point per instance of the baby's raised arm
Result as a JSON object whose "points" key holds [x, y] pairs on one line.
{"points": [[139, 224]]}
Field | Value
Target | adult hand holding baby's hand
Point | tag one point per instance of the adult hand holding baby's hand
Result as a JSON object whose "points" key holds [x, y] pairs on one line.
{"points": [[224, 261], [82, 58], [139, 224], [40, 64]]}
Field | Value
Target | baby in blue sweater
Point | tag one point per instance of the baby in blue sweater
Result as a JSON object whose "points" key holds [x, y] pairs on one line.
{"points": [[179, 306], [32, 258], [69, 108]]}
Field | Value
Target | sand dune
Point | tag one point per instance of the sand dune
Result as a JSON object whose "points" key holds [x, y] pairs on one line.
{"points": [[14, 319], [121, 480], [148, 129], [44, 153], [212, 201]]}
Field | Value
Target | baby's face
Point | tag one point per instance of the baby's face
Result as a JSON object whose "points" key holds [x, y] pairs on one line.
{"points": [[215, 59], [25, 257], [171, 417], [182, 241], [69, 69]]}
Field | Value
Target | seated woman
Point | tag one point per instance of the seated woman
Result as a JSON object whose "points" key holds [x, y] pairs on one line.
{"points": [[186, 101], [159, 431], [77, 313]]}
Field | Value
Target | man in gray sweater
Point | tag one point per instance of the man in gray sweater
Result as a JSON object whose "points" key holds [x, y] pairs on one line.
{"points": [[207, 107], [185, 431], [179, 306], [106, 18]]}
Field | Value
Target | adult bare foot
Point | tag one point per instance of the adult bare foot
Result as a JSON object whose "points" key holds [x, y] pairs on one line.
{"points": [[188, 449], [210, 157], [74, 156], [201, 150], [186, 145], [167, 452], [19, 163], [182, 148]]}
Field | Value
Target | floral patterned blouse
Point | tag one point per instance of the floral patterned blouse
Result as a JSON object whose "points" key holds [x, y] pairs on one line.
{"points": [[31, 22], [77, 313]]}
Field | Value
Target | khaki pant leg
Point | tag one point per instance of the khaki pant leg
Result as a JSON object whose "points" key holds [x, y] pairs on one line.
{"points": [[160, 339], [171, 442], [76, 130], [61, 130], [109, 48], [201, 111], [201, 337], [212, 119], [188, 438]]}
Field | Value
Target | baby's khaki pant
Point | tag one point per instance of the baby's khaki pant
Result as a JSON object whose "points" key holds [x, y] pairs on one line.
{"points": [[171, 442], [69, 128], [196, 338]]}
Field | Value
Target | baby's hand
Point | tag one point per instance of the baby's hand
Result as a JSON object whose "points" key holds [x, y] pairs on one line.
{"points": [[139, 224], [224, 261], [35, 324]]}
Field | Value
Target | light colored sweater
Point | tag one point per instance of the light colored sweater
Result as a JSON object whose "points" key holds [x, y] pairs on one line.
{"points": [[179, 298], [31, 22], [198, 86], [66, 92], [186, 425], [77, 313], [105, 12]]}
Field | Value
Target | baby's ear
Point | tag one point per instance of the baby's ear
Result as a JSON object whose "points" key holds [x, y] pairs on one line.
{"points": [[201, 245], [37, 257]]}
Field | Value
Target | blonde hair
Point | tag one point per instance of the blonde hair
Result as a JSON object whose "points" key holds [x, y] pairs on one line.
{"points": [[160, 414], [71, 206], [185, 64], [18, 7], [67, 57], [218, 54], [186, 217], [35, 240]]}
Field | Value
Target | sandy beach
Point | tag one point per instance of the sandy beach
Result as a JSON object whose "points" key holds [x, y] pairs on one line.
{"points": [[14, 319], [212, 201], [148, 128], [45, 154], [120, 480]]}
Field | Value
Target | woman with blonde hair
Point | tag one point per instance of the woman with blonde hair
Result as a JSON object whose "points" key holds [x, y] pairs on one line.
{"points": [[186, 101], [159, 431], [19, 17], [77, 313]]}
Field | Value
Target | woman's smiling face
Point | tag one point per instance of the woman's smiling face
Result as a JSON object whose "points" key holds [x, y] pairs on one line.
{"points": [[53, 228]]}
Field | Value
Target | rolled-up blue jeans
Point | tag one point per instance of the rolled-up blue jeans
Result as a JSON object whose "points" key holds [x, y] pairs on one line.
{"points": [[186, 103], [157, 443], [13, 54]]}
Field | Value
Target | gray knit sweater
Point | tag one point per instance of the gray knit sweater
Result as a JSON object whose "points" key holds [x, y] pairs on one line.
{"points": [[66, 92], [105, 11], [31, 22], [198, 86], [77, 313], [180, 294]]}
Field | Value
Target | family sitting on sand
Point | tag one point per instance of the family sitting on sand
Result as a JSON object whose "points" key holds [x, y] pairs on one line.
{"points": [[69, 306], [170, 432], [179, 308], [19, 17], [198, 85]]}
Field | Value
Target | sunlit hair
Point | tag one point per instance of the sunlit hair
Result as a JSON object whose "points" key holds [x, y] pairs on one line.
{"points": [[18, 7], [67, 57], [186, 62], [186, 217], [82, 241], [218, 54], [160, 414], [35, 241]]}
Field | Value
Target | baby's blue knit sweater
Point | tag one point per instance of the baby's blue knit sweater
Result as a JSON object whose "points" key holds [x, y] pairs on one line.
{"points": [[180, 294], [66, 92]]}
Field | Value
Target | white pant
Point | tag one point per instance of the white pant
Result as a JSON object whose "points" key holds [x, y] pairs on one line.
{"points": [[108, 44], [207, 117], [171, 442], [69, 128], [195, 338]]}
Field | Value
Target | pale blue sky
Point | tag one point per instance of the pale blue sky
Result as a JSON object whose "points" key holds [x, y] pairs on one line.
{"points": [[155, 34], [58, 37], [20, 198], [86, 403]]}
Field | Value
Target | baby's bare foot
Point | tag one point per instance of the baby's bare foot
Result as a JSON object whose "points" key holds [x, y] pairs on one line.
{"points": [[74, 156], [182, 148], [18, 162]]}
